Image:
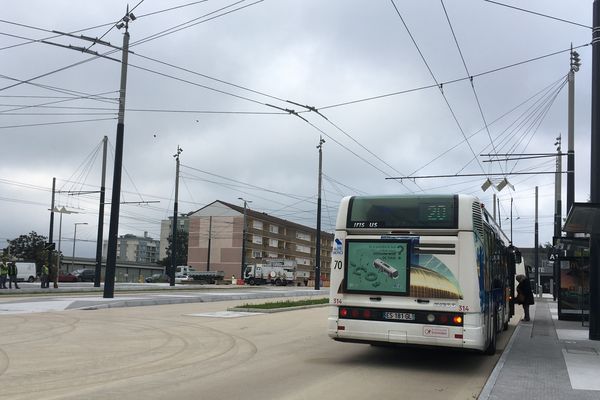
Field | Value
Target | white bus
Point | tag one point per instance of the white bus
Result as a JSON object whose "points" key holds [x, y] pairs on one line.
{"points": [[431, 270]]}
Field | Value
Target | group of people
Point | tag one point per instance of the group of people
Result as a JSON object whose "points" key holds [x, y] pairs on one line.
{"points": [[10, 270]]}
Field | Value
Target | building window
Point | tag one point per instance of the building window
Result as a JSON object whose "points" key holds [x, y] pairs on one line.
{"points": [[256, 254], [303, 236], [256, 239], [302, 248], [272, 255], [257, 225], [273, 229], [273, 242], [302, 261]]}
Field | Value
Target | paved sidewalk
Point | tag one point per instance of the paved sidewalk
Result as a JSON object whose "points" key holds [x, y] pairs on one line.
{"points": [[547, 359]]}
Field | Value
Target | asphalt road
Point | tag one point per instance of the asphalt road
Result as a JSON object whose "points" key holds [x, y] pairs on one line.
{"points": [[200, 351]]}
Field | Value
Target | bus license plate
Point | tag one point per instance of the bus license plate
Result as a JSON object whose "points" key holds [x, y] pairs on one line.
{"points": [[398, 316]]}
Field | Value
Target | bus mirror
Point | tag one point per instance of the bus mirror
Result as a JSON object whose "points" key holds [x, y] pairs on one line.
{"points": [[518, 258]]}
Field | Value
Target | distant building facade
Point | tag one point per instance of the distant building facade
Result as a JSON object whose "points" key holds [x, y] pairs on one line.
{"points": [[166, 230], [216, 232], [132, 248]]}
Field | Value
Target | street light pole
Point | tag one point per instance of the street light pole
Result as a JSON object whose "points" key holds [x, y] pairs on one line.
{"points": [[244, 239], [174, 244], [74, 240]]}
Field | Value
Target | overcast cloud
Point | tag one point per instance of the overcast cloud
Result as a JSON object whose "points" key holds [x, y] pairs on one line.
{"points": [[311, 52]]}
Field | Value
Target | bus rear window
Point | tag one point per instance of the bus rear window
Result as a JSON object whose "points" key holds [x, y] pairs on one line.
{"points": [[402, 212], [376, 266]]}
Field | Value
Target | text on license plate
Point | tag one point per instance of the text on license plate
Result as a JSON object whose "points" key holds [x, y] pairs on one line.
{"points": [[399, 316]]}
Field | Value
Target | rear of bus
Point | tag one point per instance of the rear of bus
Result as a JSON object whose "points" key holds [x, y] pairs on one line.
{"points": [[409, 270]]}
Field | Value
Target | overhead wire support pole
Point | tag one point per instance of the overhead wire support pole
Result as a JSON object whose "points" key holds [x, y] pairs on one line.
{"points": [[113, 231], [98, 269], [318, 238], [575, 64], [174, 244]]}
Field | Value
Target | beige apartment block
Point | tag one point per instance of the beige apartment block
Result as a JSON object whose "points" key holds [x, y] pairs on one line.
{"points": [[216, 232]]}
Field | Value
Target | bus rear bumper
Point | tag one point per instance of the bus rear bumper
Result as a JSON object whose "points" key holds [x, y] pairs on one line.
{"points": [[397, 332]]}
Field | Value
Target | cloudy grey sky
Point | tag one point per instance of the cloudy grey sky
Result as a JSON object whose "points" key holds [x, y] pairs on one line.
{"points": [[205, 76]]}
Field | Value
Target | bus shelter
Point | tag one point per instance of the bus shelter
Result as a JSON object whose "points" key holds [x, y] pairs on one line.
{"points": [[572, 275], [583, 219]]}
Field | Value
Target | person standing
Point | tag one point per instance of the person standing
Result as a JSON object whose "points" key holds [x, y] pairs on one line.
{"points": [[3, 273], [524, 295], [12, 275], [45, 283]]}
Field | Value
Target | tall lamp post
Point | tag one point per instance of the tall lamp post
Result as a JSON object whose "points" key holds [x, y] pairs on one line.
{"points": [[244, 238], [61, 211], [74, 240]]}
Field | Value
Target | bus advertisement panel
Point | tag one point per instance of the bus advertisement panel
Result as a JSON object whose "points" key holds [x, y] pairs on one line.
{"points": [[376, 266]]}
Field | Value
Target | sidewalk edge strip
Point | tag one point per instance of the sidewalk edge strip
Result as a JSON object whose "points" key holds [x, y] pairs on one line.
{"points": [[491, 382]]}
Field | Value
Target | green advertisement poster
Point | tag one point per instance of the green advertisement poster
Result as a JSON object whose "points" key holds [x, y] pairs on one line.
{"points": [[377, 266]]}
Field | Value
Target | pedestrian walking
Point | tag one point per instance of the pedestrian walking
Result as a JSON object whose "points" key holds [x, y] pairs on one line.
{"points": [[44, 277], [524, 294], [12, 275], [3, 273]]}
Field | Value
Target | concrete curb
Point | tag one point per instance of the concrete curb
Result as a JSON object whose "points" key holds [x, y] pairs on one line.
{"points": [[274, 310]]}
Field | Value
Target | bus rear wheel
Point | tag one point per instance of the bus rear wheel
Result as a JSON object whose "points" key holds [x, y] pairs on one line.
{"points": [[491, 349]]}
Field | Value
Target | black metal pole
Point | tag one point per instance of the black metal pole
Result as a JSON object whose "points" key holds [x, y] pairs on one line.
{"points": [[595, 178], [113, 230], [318, 246], [51, 233], [536, 244], [98, 270], [174, 244], [209, 238], [243, 242]]}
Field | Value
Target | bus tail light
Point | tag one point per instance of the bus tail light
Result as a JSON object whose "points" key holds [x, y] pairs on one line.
{"points": [[458, 320], [343, 312]]}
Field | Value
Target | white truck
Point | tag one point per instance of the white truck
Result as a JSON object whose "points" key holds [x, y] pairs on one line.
{"points": [[274, 272], [26, 271], [187, 274]]}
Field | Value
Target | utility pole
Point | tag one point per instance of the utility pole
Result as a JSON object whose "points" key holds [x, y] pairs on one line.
{"points": [[174, 244], [98, 269], [511, 219], [244, 238], [209, 238], [536, 244], [595, 177], [575, 63], [558, 191], [494, 201], [113, 230], [75, 240], [318, 255], [50, 245]]}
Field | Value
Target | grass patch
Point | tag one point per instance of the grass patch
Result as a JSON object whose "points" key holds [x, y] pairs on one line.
{"points": [[285, 304]]}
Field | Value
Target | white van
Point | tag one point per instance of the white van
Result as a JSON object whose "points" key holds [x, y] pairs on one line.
{"points": [[26, 271]]}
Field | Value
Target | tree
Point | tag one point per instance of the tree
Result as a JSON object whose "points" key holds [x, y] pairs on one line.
{"points": [[181, 253], [30, 247]]}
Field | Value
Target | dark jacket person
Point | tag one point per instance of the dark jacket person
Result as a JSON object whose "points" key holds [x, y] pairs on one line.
{"points": [[524, 295]]}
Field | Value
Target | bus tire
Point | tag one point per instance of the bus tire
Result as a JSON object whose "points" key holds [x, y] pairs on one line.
{"points": [[251, 282], [491, 349]]}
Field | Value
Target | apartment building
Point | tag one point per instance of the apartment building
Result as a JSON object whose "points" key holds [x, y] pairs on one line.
{"points": [[166, 230], [132, 248], [216, 232]]}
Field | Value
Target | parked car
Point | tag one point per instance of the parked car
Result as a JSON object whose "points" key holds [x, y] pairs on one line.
{"points": [[157, 278], [66, 277], [85, 275]]}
